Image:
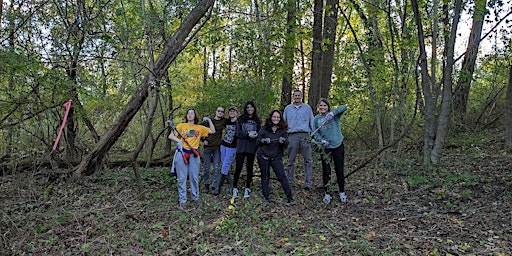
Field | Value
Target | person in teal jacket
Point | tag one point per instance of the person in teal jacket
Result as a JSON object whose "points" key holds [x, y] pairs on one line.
{"points": [[327, 135]]}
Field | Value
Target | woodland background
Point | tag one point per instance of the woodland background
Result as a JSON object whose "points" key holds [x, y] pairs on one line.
{"points": [[425, 82]]}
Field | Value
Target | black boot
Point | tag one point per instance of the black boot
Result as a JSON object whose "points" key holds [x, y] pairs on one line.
{"points": [[219, 185]]}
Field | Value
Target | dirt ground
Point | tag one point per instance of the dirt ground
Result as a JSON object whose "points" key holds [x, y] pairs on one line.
{"points": [[463, 207]]}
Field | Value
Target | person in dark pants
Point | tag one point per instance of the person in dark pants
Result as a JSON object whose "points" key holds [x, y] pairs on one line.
{"points": [[247, 127], [211, 150], [330, 139], [272, 141]]}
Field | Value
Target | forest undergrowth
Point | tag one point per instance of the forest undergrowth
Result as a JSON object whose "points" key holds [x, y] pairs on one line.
{"points": [[461, 207]]}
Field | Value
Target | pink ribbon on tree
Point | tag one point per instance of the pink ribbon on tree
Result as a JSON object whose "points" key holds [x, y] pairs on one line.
{"points": [[67, 105]]}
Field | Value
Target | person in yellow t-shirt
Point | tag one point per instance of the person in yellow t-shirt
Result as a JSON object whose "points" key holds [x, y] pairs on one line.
{"points": [[188, 136]]}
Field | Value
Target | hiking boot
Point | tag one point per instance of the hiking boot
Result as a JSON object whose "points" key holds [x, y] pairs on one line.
{"points": [[207, 187], [235, 193], [343, 197], [327, 198], [291, 201], [265, 201], [247, 193]]}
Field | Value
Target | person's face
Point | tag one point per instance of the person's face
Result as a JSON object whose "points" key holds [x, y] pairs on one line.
{"points": [[250, 109], [297, 97], [232, 113], [276, 118], [322, 107], [191, 115], [219, 112]]}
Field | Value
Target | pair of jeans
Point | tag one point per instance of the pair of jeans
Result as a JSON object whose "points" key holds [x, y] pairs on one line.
{"points": [[227, 155], [278, 167], [208, 156]]}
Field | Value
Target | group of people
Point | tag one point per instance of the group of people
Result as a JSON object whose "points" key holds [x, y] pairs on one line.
{"points": [[246, 138]]}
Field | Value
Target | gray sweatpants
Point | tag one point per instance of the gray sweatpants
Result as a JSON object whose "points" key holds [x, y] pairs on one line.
{"points": [[190, 170]]}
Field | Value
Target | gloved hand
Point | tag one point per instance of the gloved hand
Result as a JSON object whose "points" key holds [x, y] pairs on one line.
{"points": [[282, 140], [329, 116], [179, 145], [206, 119], [253, 134], [265, 140], [325, 143]]}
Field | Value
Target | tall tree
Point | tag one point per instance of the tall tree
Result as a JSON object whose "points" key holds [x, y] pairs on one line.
{"points": [[288, 52], [172, 48], [325, 21], [508, 111], [463, 85], [436, 128]]}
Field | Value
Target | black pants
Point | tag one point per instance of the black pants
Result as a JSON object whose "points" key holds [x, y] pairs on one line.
{"points": [[278, 167], [337, 156], [240, 158]]}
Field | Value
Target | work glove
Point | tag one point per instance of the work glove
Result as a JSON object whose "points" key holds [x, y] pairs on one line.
{"points": [[253, 134], [206, 119], [265, 140], [329, 116], [325, 143], [179, 145], [282, 140]]}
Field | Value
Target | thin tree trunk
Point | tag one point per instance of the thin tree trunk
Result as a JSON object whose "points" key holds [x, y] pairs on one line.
{"points": [[288, 53], [444, 115], [171, 50], [463, 86], [429, 112], [508, 111]]}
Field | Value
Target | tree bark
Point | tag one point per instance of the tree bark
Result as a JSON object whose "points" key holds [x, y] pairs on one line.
{"points": [[508, 111], [288, 53], [446, 99], [329, 42], [463, 86], [316, 57], [172, 48]]}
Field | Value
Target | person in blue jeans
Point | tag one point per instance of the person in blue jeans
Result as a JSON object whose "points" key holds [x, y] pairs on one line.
{"points": [[330, 139], [227, 148], [272, 141], [211, 150]]}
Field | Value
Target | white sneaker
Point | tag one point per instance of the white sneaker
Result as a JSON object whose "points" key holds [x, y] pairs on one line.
{"points": [[327, 198], [343, 197], [235, 193], [247, 193]]}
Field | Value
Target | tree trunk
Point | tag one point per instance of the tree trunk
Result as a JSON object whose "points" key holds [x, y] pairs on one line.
{"points": [[508, 111], [429, 112], [436, 131], [172, 48], [462, 88], [329, 42], [316, 57], [288, 53], [446, 100]]}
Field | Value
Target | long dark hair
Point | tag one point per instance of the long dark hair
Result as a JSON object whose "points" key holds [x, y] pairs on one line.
{"points": [[268, 122], [245, 116], [196, 119]]}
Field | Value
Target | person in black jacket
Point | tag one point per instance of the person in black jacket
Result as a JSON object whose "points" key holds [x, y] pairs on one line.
{"points": [[272, 141], [247, 127]]}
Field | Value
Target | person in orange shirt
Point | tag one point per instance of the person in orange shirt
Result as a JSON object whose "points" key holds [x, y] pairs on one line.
{"points": [[188, 136]]}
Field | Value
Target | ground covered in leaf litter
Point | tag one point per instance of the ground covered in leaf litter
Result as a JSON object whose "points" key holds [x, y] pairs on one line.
{"points": [[394, 208]]}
